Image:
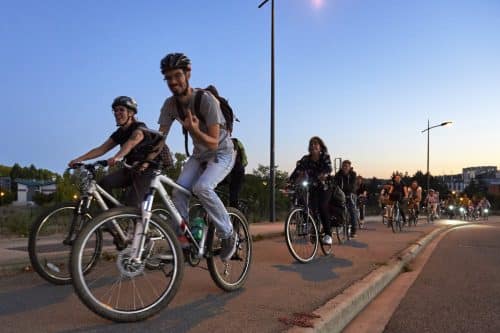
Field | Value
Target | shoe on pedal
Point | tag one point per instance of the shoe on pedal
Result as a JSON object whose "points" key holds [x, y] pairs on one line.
{"points": [[327, 239], [228, 247]]}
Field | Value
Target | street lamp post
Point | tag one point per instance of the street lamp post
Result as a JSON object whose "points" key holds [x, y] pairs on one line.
{"points": [[428, 130], [272, 205]]}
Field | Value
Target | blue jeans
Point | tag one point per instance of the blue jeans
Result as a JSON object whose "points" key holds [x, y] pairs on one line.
{"points": [[351, 207], [202, 182]]}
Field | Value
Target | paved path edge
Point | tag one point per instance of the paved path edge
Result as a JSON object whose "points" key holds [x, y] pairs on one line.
{"points": [[337, 313]]}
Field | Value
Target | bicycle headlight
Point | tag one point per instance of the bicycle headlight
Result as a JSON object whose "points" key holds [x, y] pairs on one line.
{"points": [[450, 207], [305, 183], [486, 210], [462, 209]]}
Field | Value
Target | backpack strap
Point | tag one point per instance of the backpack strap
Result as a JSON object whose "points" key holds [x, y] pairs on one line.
{"points": [[197, 104], [182, 115]]}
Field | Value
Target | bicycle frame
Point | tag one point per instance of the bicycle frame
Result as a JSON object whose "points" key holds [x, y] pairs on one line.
{"points": [[141, 229], [95, 191]]}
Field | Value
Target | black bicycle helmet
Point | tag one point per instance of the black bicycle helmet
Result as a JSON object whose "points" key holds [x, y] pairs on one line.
{"points": [[175, 61], [125, 101]]}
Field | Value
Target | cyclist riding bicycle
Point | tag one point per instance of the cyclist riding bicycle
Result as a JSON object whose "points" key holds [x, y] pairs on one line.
{"points": [[213, 156], [345, 178], [414, 197], [131, 136], [317, 166], [432, 201], [398, 192], [362, 194]]}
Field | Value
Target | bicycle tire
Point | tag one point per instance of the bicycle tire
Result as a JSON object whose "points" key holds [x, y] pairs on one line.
{"points": [[347, 225], [306, 232], [138, 290], [230, 275], [397, 218], [49, 230]]}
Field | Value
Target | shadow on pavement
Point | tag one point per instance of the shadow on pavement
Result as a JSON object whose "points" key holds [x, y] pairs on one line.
{"points": [[177, 319], [320, 269], [33, 298], [356, 244]]}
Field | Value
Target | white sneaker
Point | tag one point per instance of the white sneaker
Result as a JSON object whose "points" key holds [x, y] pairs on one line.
{"points": [[327, 240]]}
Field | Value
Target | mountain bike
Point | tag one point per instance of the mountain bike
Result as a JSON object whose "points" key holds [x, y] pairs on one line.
{"points": [[136, 282], [361, 209], [303, 230], [394, 220], [412, 213], [53, 233], [431, 212]]}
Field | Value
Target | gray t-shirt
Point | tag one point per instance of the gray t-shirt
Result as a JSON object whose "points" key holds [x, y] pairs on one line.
{"points": [[211, 113]]}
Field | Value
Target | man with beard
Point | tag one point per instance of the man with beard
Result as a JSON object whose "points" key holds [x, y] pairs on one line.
{"points": [[213, 156]]}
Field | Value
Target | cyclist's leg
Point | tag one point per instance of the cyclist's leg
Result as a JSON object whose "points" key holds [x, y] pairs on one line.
{"points": [[204, 190], [190, 173], [324, 210], [140, 185], [434, 209], [117, 179], [402, 211], [352, 212]]}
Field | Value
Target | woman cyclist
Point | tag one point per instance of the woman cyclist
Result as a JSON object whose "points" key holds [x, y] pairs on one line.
{"points": [[317, 166]]}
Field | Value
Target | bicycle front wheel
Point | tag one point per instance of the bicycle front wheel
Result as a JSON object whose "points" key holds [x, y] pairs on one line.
{"points": [[121, 288], [232, 274], [50, 240], [301, 235], [397, 220]]}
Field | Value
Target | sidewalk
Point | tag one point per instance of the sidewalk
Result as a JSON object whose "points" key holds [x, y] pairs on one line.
{"points": [[361, 287]]}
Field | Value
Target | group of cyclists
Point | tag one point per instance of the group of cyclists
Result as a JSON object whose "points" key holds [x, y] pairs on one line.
{"points": [[435, 207], [316, 168], [212, 159], [465, 208]]}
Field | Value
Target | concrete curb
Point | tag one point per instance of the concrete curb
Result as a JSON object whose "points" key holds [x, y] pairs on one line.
{"points": [[337, 313]]}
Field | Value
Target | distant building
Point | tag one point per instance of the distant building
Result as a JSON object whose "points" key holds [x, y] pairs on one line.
{"points": [[480, 172], [26, 188], [453, 182], [5, 183], [494, 187]]}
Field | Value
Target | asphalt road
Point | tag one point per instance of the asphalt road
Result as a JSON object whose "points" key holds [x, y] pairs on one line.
{"points": [[458, 289], [276, 289]]}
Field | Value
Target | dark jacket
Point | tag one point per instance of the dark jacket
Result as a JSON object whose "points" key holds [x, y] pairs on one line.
{"points": [[346, 181], [313, 168]]}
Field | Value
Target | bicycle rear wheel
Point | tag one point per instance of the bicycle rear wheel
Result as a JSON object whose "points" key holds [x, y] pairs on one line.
{"points": [[232, 274], [301, 235], [50, 240], [122, 289]]}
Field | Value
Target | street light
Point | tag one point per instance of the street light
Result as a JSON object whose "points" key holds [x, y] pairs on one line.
{"points": [[428, 130], [272, 205]]}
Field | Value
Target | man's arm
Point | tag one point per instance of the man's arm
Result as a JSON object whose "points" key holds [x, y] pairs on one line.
{"points": [[210, 139]]}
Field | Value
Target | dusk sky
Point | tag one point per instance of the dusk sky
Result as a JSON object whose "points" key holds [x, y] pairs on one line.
{"points": [[364, 75]]}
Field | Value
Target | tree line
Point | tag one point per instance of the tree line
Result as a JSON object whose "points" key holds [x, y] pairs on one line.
{"points": [[255, 194]]}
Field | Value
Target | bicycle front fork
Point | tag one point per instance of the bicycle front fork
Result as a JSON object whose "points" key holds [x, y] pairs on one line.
{"points": [[141, 228]]}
